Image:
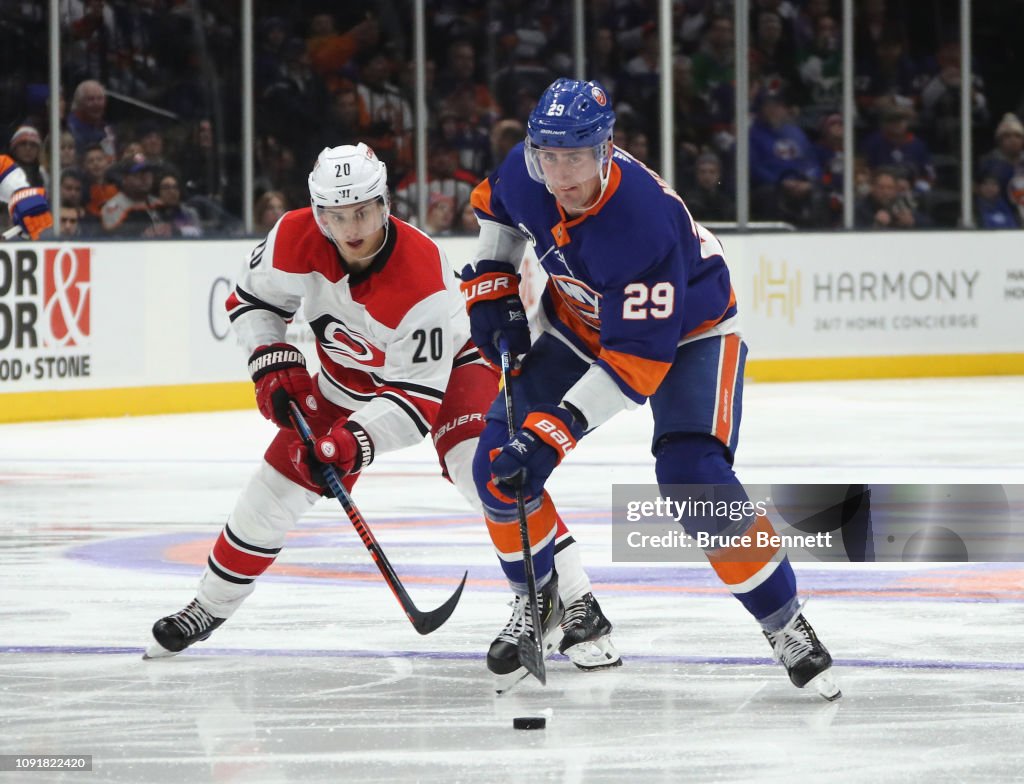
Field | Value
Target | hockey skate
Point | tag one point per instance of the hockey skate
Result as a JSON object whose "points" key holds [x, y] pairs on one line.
{"points": [[503, 655], [173, 634], [586, 636], [807, 661]]}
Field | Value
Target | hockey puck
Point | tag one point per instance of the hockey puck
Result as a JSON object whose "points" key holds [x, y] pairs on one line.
{"points": [[529, 722]]}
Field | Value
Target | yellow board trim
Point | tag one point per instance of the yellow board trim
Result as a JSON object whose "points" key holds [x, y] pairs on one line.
{"points": [[126, 401], [850, 368], [188, 398]]}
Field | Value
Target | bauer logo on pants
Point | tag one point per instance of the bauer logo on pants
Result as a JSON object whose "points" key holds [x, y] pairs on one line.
{"points": [[66, 289]]}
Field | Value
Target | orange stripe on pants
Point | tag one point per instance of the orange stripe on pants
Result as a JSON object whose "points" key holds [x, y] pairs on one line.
{"points": [[735, 565], [727, 388], [541, 522]]}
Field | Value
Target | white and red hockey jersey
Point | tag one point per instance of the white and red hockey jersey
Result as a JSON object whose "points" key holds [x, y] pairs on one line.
{"points": [[387, 337]]}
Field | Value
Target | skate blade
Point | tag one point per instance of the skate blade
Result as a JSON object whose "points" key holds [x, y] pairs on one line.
{"points": [[599, 654], [503, 683], [825, 684], [157, 651]]}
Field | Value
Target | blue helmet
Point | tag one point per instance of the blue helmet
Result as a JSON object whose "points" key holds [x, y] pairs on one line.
{"points": [[571, 113]]}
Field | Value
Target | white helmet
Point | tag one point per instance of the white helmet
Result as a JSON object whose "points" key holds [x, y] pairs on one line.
{"points": [[350, 174]]}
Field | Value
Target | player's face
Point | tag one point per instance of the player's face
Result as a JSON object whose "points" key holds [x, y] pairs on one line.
{"points": [[573, 175], [357, 230]]}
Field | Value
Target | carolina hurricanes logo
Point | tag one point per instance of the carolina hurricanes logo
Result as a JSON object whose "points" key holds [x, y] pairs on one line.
{"points": [[599, 96], [343, 344]]}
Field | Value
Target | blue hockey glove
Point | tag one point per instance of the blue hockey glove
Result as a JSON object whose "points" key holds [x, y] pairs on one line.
{"points": [[548, 434], [495, 309], [30, 210]]}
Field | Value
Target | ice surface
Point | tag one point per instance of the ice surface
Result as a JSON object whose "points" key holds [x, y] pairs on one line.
{"points": [[319, 677]]}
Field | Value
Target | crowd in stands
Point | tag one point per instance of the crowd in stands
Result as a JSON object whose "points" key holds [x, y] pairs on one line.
{"points": [[163, 159]]}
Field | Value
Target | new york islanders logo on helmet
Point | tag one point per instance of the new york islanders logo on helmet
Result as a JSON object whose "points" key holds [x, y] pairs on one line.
{"points": [[599, 96]]}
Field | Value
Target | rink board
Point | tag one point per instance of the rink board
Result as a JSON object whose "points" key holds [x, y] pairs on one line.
{"points": [[107, 329]]}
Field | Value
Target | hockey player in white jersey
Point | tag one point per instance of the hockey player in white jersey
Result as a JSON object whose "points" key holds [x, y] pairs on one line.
{"points": [[396, 365]]}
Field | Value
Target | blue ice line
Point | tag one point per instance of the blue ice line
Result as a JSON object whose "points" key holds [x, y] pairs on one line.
{"points": [[744, 661]]}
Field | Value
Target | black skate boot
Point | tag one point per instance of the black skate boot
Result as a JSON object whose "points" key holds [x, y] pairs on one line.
{"points": [[173, 634], [807, 661], [503, 655], [587, 636]]}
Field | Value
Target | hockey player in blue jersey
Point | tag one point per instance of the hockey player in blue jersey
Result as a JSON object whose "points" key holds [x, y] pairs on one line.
{"points": [[638, 306]]}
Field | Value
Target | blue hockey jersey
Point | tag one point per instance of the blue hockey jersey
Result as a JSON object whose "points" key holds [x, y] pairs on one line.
{"points": [[628, 280]]}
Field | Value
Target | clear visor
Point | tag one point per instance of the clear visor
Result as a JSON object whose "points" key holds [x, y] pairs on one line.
{"points": [[565, 168], [353, 222]]}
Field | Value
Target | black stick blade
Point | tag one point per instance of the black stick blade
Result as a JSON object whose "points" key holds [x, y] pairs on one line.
{"points": [[427, 622], [531, 656]]}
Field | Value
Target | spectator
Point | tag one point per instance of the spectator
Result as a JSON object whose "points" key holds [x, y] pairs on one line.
{"points": [[73, 184], [889, 80], [293, 103], [603, 63], [68, 153], [70, 222], [345, 122], [87, 121], [707, 200], [821, 72], [331, 52], [273, 32], [829, 150], [940, 102], [638, 145], [894, 145], [883, 207], [101, 189], [784, 172], [443, 176], [440, 215], [805, 25], [468, 222], [151, 144], [459, 78], [991, 209], [1006, 160], [72, 188], [201, 170], [25, 147], [184, 220], [771, 52], [390, 117], [714, 64], [276, 171], [93, 35], [268, 210], [692, 120], [470, 139], [133, 211], [505, 134], [68, 158]]}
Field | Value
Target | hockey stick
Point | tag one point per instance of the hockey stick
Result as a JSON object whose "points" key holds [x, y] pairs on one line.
{"points": [[531, 652], [11, 233], [423, 622]]}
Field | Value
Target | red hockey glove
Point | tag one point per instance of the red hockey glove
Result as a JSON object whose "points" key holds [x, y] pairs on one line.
{"points": [[495, 309], [279, 373], [346, 446], [31, 212]]}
